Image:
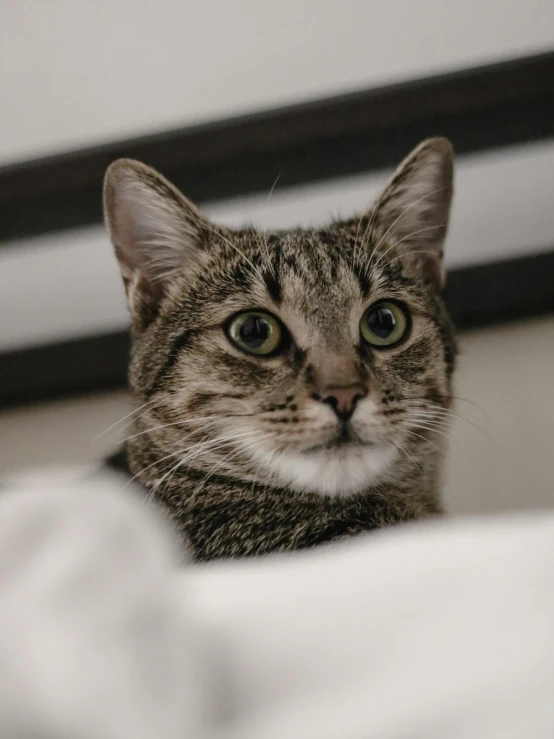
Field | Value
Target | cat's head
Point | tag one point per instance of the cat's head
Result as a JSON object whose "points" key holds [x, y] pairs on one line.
{"points": [[316, 359]]}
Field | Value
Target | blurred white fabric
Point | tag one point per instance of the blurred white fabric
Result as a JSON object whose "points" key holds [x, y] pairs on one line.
{"points": [[442, 630]]}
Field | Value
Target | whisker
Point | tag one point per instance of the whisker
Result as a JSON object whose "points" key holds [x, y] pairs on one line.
{"points": [[408, 253], [450, 413], [366, 238], [173, 454], [486, 416], [171, 469], [219, 234], [402, 449], [182, 422], [419, 436], [136, 410], [412, 205], [354, 251], [221, 463], [378, 263], [200, 448], [144, 469], [428, 427], [415, 233], [191, 419], [264, 245], [439, 422], [273, 187], [235, 247]]}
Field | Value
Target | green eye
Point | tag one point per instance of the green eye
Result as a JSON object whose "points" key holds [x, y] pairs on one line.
{"points": [[384, 324], [256, 332]]}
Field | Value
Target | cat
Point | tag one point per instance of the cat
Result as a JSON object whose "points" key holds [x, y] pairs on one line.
{"points": [[293, 387]]}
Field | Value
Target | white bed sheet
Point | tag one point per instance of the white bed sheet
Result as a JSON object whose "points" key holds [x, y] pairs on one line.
{"points": [[443, 630]]}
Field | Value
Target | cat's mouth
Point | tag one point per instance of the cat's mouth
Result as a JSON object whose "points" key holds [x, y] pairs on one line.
{"points": [[343, 459], [345, 437]]}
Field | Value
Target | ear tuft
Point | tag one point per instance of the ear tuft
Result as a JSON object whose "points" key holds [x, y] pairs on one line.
{"points": [[412, 213], [155, 230]]}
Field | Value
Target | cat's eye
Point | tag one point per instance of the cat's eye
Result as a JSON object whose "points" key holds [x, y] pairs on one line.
{"points": [[256, 332], [385, 324]]}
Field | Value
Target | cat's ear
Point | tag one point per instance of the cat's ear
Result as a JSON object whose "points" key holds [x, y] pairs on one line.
{"points": [[411, 215], [154, 229]]}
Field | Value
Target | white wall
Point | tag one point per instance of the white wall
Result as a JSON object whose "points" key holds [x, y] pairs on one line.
{"points": [[74, 73], [501, 450]]}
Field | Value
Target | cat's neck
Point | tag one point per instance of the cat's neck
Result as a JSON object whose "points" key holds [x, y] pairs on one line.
{"points": [[220, 515]]}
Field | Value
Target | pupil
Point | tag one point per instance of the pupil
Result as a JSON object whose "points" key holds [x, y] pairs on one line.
{"points": [[254, 332], [381, 322]]}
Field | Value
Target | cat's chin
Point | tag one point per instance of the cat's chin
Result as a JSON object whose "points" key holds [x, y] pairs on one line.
{"points": [[341, 470]]}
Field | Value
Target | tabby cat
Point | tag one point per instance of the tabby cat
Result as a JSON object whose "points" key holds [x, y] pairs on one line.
{"points": [[294, 386]]}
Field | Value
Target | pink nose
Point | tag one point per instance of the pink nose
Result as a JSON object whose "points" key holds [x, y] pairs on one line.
{"points": [[343, 400]]}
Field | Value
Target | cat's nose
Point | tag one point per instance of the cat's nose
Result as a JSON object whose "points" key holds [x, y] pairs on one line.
{"points": [[343, 400]]}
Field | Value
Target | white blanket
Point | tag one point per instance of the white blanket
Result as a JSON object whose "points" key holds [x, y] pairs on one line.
{"points": [[443, 630]]}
